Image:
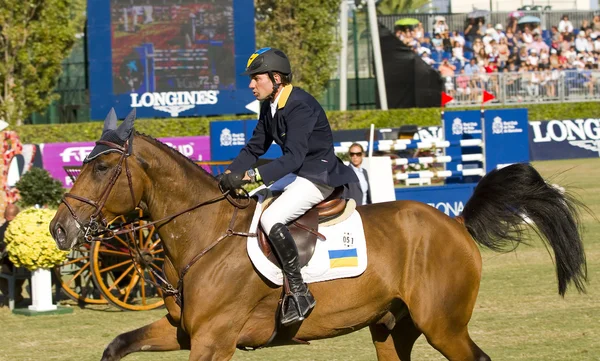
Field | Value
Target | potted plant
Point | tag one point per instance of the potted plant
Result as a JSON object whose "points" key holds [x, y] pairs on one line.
{"points": [[28, 238]]}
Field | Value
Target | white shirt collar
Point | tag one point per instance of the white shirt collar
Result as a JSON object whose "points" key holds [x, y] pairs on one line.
{"points": [[275, 102]]}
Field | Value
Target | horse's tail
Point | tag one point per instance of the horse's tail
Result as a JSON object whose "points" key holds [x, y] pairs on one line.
{"points": [[507, 200]]}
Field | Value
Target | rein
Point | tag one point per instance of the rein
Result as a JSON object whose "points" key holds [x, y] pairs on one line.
{"points": [[96, 230]]}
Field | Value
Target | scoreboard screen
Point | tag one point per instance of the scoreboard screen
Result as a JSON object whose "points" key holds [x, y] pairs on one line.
{"points": [[169, 59]]}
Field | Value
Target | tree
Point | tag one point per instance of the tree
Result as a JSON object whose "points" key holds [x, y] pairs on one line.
{"points": [[306, 31], [35, 36], [388, 7]]}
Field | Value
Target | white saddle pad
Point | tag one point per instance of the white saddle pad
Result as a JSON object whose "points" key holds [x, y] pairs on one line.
{"points": [[343, 254]]}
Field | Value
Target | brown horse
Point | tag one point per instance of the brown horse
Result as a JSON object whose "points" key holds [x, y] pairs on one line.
{"points": [[423, 274]]}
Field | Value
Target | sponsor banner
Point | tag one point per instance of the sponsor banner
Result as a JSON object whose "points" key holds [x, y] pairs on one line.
{"points": [[450, 198], [227, 138], [506, 138], [55, 156], [564, 139], [169, 59]]}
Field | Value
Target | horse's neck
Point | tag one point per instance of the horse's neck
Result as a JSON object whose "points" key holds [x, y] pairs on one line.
{"points": [[175, 184]]}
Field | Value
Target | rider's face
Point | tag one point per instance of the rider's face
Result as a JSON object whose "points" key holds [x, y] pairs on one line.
{"points": [[262, 86]]}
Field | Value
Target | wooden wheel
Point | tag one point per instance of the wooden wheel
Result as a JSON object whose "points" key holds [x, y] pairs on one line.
{"points": [[120, 279], [75, 278]]}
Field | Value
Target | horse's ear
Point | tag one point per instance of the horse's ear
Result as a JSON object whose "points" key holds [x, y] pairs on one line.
{"points": [[125, 129], [110, 123]]}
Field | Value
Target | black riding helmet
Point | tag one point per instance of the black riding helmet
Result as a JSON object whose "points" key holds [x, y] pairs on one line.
{"points": [[269, 60]]}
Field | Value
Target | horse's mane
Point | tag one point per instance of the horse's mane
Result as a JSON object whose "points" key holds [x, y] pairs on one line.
{"points": [[173, 151]]}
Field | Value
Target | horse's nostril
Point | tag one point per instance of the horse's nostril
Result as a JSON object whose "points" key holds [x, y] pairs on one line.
{"points": [[59, 234]]}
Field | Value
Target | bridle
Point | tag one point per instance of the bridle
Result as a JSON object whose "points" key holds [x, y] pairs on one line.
{"points": [[96, 229]]}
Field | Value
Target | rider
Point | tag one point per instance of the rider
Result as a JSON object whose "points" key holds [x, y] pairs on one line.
{"points": [[294, 120]]}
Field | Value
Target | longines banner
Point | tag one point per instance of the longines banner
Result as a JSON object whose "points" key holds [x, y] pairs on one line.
{"points": [[56, 156], [564, 139]]}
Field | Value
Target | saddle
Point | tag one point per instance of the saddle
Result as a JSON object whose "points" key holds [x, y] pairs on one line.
{"points": [[305, 229]]}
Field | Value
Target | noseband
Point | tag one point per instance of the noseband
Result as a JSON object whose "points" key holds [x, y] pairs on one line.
{"points": [[97, 224]]}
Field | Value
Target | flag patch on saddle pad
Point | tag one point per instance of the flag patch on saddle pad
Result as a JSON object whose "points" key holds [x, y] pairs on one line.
{"points": [[343, 258]]}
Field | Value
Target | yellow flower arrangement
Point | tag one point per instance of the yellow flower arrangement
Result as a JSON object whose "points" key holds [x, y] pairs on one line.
{"points": [[29, 243]]}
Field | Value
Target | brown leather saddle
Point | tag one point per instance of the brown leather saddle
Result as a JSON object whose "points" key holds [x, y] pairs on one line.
{"points": [[305, 229]]}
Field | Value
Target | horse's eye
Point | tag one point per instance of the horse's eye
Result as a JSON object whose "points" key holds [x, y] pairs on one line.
{"points": [[101, 167]]}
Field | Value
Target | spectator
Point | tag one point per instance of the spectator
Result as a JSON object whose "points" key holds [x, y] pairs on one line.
{"points": [[589, 47], [481, 56], [447, 43], [565, 44], [438, 43], [533, 58], [588, 81], [462, 85], [585, 26], [562, 60], [597, 44], [538, 44], [419, 31], [553, 59], [554, 34], [471, 30], [565, 26], [457, 37], [512, 24], [472, 68], [360, 191], [503, 53], [581, 42], [533, 87], [596, 26], [544, 59], [477, 45], [458, 54], [523, 56], [446, 69], [440, 26], [510, 39], [500, 32], [426, 58], [510, 80], [527, 36]]}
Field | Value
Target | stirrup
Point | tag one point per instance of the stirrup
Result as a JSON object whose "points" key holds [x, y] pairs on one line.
{"points": [[291, 311]]}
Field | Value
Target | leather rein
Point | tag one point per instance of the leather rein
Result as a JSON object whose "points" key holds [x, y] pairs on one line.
{"points": [[96, 229]]}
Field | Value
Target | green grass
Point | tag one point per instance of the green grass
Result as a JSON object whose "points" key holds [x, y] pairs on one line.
{"points": [[518, 316]]}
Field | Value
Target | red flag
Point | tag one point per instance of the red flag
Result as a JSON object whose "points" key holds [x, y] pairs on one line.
{"points": [[487, 97], [446, 99]]}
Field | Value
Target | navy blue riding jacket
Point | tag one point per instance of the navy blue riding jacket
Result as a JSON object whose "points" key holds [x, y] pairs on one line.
{"points": [[300, 127]]}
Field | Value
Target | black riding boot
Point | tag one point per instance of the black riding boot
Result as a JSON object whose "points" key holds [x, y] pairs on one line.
{"points": [[298, 304]]}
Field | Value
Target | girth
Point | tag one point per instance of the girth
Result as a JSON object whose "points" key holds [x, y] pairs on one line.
{"points": [[305, 229]]}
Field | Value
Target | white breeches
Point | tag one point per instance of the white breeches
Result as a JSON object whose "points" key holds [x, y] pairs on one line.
{"points": [[298, 197]]}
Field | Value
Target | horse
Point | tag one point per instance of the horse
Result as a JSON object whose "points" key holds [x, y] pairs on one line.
{"points": [[422, 278]]}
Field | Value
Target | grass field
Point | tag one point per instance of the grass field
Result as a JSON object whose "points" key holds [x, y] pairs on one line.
{"points": [[518, 316]]}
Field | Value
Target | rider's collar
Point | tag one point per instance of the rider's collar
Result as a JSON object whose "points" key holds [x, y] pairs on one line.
{"points": [[284, 95]]}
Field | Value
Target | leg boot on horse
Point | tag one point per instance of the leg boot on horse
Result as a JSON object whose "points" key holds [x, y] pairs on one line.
{"points": [[299, 302]]}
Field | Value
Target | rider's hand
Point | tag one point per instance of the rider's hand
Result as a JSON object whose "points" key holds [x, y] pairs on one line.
{"points": [[233, 181]]}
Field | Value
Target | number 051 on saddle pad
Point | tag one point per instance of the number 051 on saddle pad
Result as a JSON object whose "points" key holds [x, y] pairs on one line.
{"points": [[342, 254]]}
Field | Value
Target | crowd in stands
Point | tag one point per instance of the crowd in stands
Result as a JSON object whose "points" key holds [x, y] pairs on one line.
{"points": [[471, 59]]}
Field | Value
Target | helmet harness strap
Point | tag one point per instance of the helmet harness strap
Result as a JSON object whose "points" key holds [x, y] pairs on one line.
{"points": [[275, 86]]}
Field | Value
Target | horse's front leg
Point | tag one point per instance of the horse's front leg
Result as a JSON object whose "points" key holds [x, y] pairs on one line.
{"points": [[162, 335]]}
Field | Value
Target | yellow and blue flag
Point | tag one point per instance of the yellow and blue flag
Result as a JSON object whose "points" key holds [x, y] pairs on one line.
{"points": [[343, 258]]}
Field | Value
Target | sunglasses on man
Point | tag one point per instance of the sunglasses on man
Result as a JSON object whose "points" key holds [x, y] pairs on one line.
{"points": [[358, 154]]}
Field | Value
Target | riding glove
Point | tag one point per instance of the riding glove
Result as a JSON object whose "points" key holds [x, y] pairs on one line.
{"points": [[232, 181]]}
